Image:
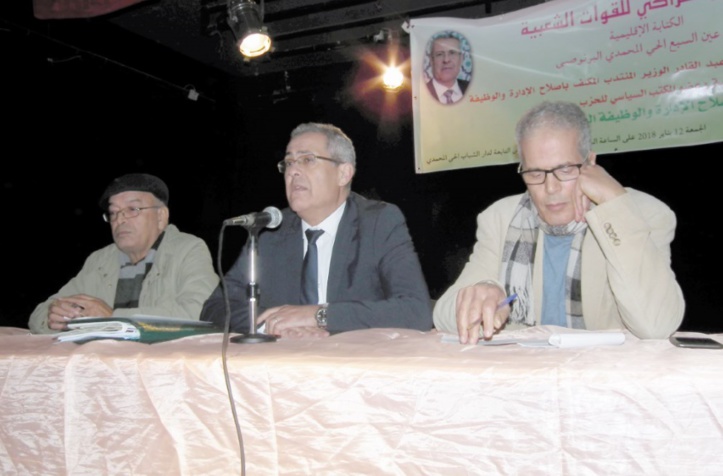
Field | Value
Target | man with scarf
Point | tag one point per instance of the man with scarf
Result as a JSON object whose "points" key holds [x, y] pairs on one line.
{"points": [[578, 249]]}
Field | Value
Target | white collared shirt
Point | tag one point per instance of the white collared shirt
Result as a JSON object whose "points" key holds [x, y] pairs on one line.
{"points": [[440, 89], [325, 246]]}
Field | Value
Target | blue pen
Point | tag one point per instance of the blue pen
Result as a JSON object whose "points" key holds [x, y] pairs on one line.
{"points": [[507, 301], [504, 303]]}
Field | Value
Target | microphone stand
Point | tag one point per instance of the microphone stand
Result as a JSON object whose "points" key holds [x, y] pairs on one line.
{"points": [[252, 290]]}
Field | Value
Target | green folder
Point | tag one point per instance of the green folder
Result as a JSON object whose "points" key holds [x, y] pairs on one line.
{"points": [[146, 329]]}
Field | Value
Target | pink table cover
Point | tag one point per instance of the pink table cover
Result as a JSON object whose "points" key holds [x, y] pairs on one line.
{"points": [[378, 401]]}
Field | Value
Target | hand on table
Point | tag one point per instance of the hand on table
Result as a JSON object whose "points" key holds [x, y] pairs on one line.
{"points": [[478, 305], [68, 308], [283, 318]]}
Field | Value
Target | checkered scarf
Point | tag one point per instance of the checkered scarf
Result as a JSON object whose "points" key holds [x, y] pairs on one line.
{"points": [[131, 276], [518, 258]]}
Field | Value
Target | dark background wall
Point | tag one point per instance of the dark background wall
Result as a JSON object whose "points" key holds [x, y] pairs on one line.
{"points": [[74, 123]]}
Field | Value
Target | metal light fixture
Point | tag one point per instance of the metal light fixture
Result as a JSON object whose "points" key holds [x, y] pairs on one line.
{"points": [[245, 22]]}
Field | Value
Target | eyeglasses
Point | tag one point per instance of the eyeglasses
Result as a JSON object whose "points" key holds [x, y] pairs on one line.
{"points": [[305, 161], [563, 173], [442, 55], [128, 212]]}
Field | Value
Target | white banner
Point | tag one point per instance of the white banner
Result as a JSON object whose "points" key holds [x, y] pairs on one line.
{"points": [[649, 74]]}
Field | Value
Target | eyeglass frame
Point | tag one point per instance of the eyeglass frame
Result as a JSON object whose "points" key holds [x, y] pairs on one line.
{"points": [[551, 171], [108, 216], [283, 166], [443, 55]]}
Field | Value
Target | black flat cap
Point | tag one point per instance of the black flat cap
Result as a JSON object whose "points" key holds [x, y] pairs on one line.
{"points": [[135, 183]]}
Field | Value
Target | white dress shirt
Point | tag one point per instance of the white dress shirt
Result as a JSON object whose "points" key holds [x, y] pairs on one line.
{"points": [[325, 246], [440, 89]]}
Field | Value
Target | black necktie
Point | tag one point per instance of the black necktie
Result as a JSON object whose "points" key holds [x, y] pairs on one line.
{"points": [[310, 270]]}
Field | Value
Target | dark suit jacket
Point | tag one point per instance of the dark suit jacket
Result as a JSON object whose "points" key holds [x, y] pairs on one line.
{"points": [[462, 86], [375, 279]]}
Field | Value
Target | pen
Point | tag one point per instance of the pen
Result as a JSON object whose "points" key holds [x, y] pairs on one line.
{"points": [[82, 309], [506, 301]]}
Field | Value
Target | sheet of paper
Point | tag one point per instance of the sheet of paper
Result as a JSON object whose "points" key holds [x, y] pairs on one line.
{"points": [[558, 340]]}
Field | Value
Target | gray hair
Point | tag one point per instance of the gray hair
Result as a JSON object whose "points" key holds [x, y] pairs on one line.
{"points": [[339, 145], [557, 115], [443, 35]]}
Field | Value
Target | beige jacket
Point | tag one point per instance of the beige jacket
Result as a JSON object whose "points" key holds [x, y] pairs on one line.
{"points": [[626, 276], [181, 279]]}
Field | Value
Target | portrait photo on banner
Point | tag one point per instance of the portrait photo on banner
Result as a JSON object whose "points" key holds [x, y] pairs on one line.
{"points": [[447, 67]]}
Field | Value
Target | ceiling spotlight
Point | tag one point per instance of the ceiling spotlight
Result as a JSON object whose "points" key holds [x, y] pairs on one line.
{"points": [[245, 22]]}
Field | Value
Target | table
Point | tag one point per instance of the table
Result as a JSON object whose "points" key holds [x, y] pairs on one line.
{"points": [[378, 401]]}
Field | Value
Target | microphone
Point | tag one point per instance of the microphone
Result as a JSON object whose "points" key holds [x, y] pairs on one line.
{"points": [[269, 218]]}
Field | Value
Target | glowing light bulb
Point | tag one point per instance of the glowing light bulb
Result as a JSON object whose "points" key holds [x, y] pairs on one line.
{"points": [[392, 78], [255, 44]]}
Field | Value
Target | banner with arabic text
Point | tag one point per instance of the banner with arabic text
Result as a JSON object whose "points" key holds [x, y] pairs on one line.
{"points": [[648, 74]]}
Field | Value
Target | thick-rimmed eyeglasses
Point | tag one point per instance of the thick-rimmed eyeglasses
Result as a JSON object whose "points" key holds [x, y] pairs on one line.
{"points": [[305, 161], [563, 173], [128, 212]]}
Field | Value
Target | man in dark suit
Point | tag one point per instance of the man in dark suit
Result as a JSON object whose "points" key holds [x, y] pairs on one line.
{"points": [[446, 60], [364, 270]]}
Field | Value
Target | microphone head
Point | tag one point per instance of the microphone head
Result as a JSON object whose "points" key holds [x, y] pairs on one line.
{"points": [[275, 215]]}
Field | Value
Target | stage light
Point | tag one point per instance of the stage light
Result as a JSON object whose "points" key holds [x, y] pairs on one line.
{"points": [[392, 76], [392, 79], [245, 22]]}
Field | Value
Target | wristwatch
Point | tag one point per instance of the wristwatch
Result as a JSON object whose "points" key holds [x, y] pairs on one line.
{"points": [[321, 316]]}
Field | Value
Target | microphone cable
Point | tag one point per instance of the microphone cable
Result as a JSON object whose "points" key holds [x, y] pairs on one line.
{"points": [[224, 348]]}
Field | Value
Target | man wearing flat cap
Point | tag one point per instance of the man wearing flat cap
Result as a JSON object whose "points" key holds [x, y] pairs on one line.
{"points": [[151, 268]]}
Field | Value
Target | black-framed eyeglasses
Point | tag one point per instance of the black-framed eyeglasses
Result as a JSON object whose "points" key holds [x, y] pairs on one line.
{"points": [[563, 173], [305, 161], [128, 212]]}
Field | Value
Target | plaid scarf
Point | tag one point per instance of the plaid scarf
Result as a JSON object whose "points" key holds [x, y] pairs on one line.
{"points": [[131, 276], [518, 258]]}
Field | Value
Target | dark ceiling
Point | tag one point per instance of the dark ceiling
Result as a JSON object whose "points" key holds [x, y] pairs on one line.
{"points": [[306, 33]]}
